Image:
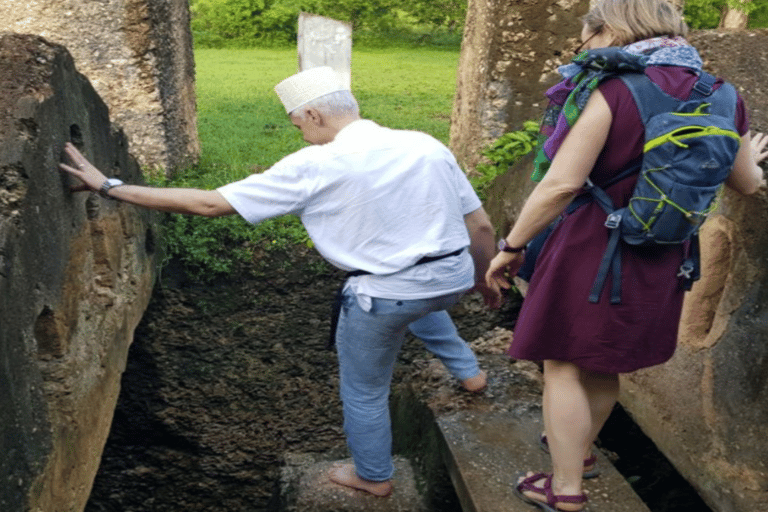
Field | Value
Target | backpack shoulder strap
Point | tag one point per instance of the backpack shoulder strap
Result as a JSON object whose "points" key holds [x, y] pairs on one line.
{"points": [[651, 100], [723, 101], [648, 96], [704, 86]]}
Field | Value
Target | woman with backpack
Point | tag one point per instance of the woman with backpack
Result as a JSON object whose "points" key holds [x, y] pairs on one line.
{"points": [[595, 132]]}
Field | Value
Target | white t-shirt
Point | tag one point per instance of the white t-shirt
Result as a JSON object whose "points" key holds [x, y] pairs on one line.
{"points": [[373, 199]]}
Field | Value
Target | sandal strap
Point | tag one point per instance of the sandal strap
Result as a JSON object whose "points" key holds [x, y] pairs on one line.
{"points": [[550, 494], [553, 499], [573, 498], [527, 484]]}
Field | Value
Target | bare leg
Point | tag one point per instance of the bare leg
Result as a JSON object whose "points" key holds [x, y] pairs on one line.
{"points": [[568, 422], [576, 405], [345, 474], [603, 392]]}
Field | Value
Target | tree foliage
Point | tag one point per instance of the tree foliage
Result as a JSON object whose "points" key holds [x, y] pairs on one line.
{"points": [[249, 22], [256, 22], [706, 14]]}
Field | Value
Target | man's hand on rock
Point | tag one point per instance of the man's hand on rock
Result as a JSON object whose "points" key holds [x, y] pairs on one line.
{"points": [[79, 167]]}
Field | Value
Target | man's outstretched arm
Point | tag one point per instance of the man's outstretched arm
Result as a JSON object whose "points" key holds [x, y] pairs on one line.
{"points": [[208, 203]]}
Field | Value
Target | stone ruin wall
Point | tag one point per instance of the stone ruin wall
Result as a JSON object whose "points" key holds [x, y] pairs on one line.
{"points": [[510, 53], [138, 55], [76, 274], [705, 409]]}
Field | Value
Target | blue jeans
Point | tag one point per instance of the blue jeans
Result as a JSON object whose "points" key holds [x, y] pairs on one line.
{"points": [[367, 343]]}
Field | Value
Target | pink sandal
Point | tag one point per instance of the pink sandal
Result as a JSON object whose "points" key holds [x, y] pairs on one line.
{"points": [[551, 505]]}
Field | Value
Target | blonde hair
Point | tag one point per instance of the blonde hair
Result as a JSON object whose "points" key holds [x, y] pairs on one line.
{"points": [[635, 20]]}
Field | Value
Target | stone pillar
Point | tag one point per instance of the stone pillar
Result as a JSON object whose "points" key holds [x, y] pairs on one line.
{"points": [[76, 273], [706, 409], [325, 42], [138, 55], [509, 57]]}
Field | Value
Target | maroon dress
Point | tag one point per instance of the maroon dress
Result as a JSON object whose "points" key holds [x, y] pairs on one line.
{"points": [[556, 320]]}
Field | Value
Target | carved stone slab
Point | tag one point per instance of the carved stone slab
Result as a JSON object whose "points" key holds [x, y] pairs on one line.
{"points": [[325, 42]]}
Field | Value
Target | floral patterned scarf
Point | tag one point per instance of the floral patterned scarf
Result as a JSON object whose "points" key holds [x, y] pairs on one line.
{"points": [[589, 69]]}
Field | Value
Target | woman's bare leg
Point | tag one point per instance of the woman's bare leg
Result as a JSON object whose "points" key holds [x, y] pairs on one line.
{"points": [[603, 392], [568, 422]]}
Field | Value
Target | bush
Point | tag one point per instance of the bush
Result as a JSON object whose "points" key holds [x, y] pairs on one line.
{"points": [[251, 23], [242, 23], [503, 153], [706, 14]]}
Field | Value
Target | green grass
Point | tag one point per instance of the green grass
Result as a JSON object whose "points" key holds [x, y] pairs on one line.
{"points": [[242, 126], [241, 122]]}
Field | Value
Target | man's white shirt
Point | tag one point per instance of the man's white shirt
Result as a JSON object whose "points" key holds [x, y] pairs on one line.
{"points": [[373, 199]]}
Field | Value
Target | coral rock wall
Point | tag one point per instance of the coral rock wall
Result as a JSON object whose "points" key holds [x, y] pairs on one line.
{"points": [[76, 273], [138, 55], [706, 409], [509, 56]]}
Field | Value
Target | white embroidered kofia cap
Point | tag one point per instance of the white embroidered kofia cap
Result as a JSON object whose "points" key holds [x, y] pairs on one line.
{"points": [[303, 87]]}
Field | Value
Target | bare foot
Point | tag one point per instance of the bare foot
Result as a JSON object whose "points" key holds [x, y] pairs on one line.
{"points": [[345, 474], [476, 384]]}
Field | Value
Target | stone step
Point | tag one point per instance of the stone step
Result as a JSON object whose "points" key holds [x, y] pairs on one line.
{"points": [[305, 488], [484, 440], [488, 445], [486, 453]]}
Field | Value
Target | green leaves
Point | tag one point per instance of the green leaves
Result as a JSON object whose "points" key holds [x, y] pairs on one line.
{"points": [[226, 23], [704, 14], [503, 153], [248, 23]]}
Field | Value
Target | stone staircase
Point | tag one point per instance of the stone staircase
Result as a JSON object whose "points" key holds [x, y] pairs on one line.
{"points": [[485, 442]]}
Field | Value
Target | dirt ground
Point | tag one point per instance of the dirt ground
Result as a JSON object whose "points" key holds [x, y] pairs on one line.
{"points": [[223, 380]]}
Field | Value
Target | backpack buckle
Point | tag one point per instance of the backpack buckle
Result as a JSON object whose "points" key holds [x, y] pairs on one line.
{"points": [[686, 270], [613, 220]]}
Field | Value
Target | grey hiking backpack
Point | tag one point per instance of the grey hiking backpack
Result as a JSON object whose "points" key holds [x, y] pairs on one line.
{"points": [[690, 147]]}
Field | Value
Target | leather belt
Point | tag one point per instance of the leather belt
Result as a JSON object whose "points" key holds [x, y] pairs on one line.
{"points": [[336, 306]]}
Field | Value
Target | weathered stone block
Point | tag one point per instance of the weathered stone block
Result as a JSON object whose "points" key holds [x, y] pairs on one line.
{"points": [[509, 57], [305, 487], [76, 273], [706, 408], [138, 55]]}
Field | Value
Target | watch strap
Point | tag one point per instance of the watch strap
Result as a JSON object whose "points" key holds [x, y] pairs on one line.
{"points": [[504, 247], [108, 184]]}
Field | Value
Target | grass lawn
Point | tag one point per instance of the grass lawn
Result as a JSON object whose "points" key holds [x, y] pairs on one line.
{"points": [[242, 123]]}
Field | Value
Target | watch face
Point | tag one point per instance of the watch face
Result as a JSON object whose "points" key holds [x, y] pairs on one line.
{"points": [[504, 246]]}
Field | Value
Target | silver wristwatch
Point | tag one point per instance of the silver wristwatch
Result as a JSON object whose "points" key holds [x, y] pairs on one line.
{"points": [[108, 184]]}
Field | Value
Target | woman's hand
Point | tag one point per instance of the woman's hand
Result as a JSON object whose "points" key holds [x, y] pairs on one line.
{"points": [[505, 263], [81, 168], [759, 143]]}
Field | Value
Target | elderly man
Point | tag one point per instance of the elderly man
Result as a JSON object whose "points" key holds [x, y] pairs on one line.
{"points": [[391, 207]]}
